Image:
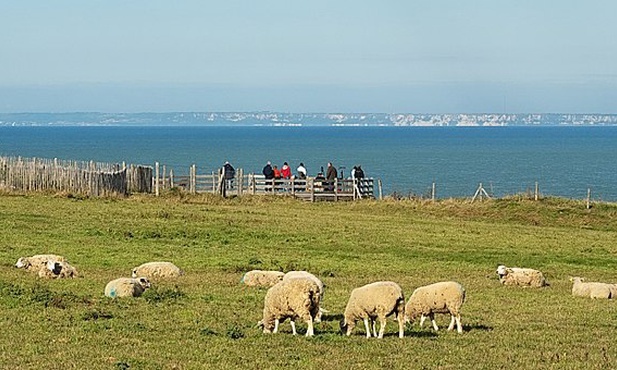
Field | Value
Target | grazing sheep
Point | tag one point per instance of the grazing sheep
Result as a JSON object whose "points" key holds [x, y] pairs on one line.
{"points": [[57, 270], [293, 299], [34, 262], [126, 287], [444, 297], [592, 289], [375, 300], [524, 277], [262, 278], [153, 270], [307, 275]]}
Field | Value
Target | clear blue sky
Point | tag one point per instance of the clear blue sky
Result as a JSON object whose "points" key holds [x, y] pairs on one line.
{"points": [[430, 56]]}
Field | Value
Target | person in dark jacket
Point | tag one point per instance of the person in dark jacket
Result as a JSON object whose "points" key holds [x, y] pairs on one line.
{"points": [[229, 174], [331, 175], [268, 173]]}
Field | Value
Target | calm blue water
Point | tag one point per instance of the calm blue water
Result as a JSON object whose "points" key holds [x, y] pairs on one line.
{"points": [[507, 160]]}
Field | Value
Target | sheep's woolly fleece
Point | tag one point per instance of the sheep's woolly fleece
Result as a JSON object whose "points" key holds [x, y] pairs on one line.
{"points": [[446, 297], [375, 301]]}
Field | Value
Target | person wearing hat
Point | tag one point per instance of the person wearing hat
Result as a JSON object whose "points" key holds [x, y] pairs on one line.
{"points": [[268, 173]]}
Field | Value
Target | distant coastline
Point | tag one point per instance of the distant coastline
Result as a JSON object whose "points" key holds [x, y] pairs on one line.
{"points": [[304, 119]]}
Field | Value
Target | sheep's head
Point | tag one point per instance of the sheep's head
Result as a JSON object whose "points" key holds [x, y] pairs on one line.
{"points": [[23, 262], [412, 316], [347, 327], [267, 326], [502, 271], [577, 279], [144, 282]]}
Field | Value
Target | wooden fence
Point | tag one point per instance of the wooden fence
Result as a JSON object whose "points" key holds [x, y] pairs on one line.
{"points": [[90, 178], [309, 189]]}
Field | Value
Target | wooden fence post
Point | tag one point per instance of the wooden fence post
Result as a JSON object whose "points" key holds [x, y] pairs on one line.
{"points": [[588, 198], [312, 186], [156, 179], [433, 192], [536, 193]]}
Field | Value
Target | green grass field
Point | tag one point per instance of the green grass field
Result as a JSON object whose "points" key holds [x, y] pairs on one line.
{"points": [[207, 319]]}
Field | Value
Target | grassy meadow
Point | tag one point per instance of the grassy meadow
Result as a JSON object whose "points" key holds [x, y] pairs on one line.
{"points": [[207, 319]]}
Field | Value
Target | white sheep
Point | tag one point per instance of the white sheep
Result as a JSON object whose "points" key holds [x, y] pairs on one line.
{"points": [[35, 262], [127, 287], [153, 270], [443, 297], [307, 275], [592, 289], [292, 299], [57, 269], [375, 301], [525, 277], [262, 278]]}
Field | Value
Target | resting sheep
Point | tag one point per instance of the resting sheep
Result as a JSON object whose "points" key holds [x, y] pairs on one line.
{"points": [[444, 297], [307, 275], [57, 270], [525, 277], [592, 289], [372, 301], [261, 278], [126, 287], [35, 262], [292, 299], [153, 270]]}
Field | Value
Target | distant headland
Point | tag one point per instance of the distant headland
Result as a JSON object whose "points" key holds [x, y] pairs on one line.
{"points": [[304, 119]]}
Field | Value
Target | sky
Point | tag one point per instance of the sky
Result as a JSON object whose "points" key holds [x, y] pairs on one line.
{"points": [[387, 56]]}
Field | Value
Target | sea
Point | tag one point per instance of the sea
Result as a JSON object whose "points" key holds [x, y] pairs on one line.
{"points": [[565, 161]]}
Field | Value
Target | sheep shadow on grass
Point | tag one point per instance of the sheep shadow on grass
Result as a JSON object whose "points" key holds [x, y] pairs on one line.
{"points": [[473, 327], [332, 317]]}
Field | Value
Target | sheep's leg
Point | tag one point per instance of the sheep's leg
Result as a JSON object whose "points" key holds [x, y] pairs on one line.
{"points": [[309, 330], [382, 326], [368, 330], [374, 327], [422, 318], [293, 327], [401, 326], [432, 317], [276, 326], [459, 327], [451, 326]]}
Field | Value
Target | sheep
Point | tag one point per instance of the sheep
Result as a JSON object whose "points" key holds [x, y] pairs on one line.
{"points": [[261, 278], [525, 277], [153, 270], [307, 275], [293, 299], [34, 262], [442, 297], [57, 269], [127, 287], [371, 301], [592, 289]]}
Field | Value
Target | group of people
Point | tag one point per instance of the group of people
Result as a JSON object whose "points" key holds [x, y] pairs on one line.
{"points": [[272, 172]]}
